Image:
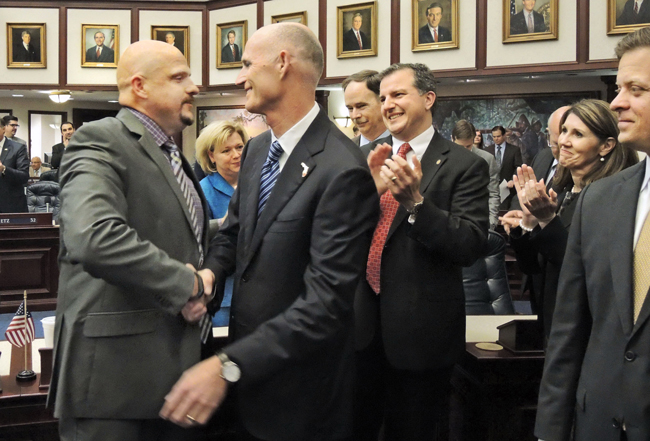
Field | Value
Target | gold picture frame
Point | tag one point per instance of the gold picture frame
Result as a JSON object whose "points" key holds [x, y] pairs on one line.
{"points": [[229, 53], [444, 17], [621, 18], [100, 50], [348, 45], [543, 26], [294, 17], [26, 47], [178, 36]]}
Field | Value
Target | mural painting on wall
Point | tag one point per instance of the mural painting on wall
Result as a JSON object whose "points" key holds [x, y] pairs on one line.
{"points": [[231, 39], [529, 20], [624, 16], [100, 45], [26, 45], [525, 117], [177, 36], [294, 17], [434, 24], [252, 122], [356, 30]]}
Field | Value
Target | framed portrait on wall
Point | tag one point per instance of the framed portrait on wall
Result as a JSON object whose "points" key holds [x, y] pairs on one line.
{"points": [[294, 17], [529, 20], [356, 30], [231, 40], [624, 16], [434, 24], [253, 123], [177, 36], [100, 45], [26, 45]]}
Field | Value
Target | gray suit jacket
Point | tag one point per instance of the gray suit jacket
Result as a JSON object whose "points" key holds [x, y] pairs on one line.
{"points": [[120, 343], [598, 360], [493, 186], [12, 192], [297, 267]]}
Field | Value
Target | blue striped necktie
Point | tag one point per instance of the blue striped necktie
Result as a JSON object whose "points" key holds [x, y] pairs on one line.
{"points": [[270, 172], [195, 208]]}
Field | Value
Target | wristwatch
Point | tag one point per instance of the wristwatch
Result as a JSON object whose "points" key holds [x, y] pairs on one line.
{"points": [[414, 211], [229, 369], [201, 290]]}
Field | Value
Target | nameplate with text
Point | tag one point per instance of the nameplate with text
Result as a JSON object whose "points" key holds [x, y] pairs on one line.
{"points": [[25, 219]]}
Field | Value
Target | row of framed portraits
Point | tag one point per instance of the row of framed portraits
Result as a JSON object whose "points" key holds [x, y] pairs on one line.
{"points": [[434, 25]]}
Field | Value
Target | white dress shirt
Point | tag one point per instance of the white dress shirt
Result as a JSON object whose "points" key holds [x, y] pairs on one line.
{"points": [[290, 139]]}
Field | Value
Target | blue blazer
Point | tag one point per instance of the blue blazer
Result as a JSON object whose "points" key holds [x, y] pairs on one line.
{"points": [[218, 193]]}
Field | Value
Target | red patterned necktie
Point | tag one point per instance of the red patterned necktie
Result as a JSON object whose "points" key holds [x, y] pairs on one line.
{"points": [[388, 206], [234, 57], [98, 52], [359, 40], [435, 35]]}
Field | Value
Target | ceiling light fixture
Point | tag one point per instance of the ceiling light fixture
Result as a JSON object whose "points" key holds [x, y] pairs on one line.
{"points": [[60, 96]]}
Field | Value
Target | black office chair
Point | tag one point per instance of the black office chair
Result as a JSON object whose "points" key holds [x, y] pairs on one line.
{"points": [[487, 291]]}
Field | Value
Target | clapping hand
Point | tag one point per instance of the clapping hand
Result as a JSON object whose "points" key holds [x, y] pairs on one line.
{"points": [[376, 159], [537, 206]]}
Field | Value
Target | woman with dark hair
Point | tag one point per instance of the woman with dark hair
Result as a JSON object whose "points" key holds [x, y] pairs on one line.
{"points": [[589, 150], [478, 140]]}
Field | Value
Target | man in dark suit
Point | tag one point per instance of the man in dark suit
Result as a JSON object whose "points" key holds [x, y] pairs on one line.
{"points": [[230, 52], [355, 39], [14, 174], [100, 53], [133, 228], [410, 307], [596, 381], [298, 248], [11, 127], [508, 159], [24, 51], [527, 21], [432, 32], [634, 12], [361, 93], [67, 130]]}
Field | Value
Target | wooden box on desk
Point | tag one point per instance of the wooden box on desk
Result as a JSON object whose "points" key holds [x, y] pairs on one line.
{"points": [[522, 336]]}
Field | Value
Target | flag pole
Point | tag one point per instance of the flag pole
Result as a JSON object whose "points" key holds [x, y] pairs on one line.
{"points": [[26, 374]]}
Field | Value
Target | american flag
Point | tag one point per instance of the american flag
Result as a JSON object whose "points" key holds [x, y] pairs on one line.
{"points": [[20, 332]]}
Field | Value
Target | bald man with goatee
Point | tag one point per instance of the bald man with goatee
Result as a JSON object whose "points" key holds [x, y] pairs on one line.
{"points": [[133, 228], [296, 236]]}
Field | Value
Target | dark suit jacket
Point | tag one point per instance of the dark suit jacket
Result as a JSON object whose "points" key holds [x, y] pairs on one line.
{"points": [[597, 361], [518, 23], [296, 269], [541, 254], [350, 42], [541, 165], [226, 54], [511, 160], [57, 154], [424, 35], [107, 55], [421, 300], [22, 55], [126, 234], [628, 17], [12, 191]]}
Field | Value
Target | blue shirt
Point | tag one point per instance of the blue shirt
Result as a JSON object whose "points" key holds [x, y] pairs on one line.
{"points": [[218, 193]]}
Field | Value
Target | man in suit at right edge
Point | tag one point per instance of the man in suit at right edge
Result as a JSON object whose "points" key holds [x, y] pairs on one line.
{"points": [[596, 381], [508, 159], [410, 307], [298, 248]]}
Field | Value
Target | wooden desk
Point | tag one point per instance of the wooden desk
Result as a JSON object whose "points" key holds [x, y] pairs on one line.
{"points": [[494, 395]]}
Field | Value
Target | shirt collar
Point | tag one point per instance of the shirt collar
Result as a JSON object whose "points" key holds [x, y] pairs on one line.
{"points": [[418, 144], [363, 140], [159, 136], [646, 178], [291, 137]]}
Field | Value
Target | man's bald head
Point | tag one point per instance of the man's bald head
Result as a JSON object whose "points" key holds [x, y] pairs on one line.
{"points": [[299, 41], [554, 129]]}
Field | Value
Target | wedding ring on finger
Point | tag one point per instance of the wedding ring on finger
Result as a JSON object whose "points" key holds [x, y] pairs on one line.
{"points": [[191, 419], [394, 178]]}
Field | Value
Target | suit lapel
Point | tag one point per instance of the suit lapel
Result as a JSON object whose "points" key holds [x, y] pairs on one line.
{"points": [[255, 155], [5, 150], [621, 234], [433, 159], [150, 147], [291, 177]]}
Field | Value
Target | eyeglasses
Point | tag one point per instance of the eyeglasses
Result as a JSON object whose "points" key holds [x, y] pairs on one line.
{"points": [[14, 125]]}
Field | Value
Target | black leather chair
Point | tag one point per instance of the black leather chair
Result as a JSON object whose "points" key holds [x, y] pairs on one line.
{"points": [[43, 196], [486, 282]]}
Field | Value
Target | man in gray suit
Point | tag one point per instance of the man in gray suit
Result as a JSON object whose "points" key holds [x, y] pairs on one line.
{"points": [[361, 92], [297, 257], [596, 381], [133, 227]]}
